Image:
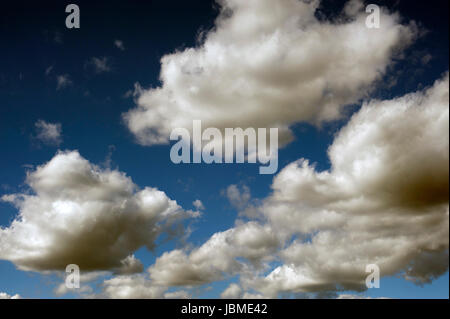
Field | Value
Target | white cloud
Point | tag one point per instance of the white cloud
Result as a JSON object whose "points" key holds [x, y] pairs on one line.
{"points": [[138, 286], [100, 65], [132, 287], [239, 198], [269, 64], [4, 295], [216, 257], [49, 133], [233, 291], [63, 81], [119, 44], [384, 201], [78, 213], [198, 204]]}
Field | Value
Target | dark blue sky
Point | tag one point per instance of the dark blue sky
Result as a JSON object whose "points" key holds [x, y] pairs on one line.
{"points": [[34, 38]]}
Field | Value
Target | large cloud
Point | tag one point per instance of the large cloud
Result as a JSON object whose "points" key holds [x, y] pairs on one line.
{"points": [[269, 64], [79, 213], [384, 201]]}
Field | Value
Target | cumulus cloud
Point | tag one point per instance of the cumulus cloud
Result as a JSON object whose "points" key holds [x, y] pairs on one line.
{"points": [[138, 286], [4, 295], [48, 133], [79, 213], [384, 201], [218, 256], [269, 64], [233, 291], [132, 287]]}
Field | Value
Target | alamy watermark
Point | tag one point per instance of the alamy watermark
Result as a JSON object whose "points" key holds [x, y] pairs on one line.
{"points": [[373, 279], [211, 146], [73, 276]]}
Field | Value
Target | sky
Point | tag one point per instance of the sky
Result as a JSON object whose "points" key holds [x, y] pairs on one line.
{"points": [[86, 176]]}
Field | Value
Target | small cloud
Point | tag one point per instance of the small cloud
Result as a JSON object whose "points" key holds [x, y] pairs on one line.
{"points": [[4, 295], [63, 81], [133, 92], [49, 70], [239, 198], [119, 44], [100, 65], [198, 204], [48, 133]]}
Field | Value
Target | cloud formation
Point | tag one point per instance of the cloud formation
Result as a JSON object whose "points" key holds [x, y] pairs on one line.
{"points": [[384, 201], [4, 295], [48, 133], [79, 213], [269, 64], [63, 81], [216, 257], [100, 65], [119, 44]]}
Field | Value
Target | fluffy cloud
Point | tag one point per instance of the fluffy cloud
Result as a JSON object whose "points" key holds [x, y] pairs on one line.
{"points": [[79, 213], [4, 295], [198, 204], [233, 291], [119, 44], [132, 287], [216, 257], [138, 287], [384, 201], [48, 133], [269, 64]]}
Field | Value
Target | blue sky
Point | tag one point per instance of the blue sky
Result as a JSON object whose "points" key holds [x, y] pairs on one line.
{"points": [[37, 48]]}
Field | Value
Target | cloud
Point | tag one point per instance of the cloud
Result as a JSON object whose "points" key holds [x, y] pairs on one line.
{"points": [[384, 201], [4, 295], [119, 44], [239, 198], [138, 286], [63, 81], [216, 257], [198, 204], [233, 291], [100, 65], [269, 64], [48, 133], [132, 287], [78, 213]]}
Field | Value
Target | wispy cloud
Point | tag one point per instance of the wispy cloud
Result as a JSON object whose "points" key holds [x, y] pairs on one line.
{"points": [[100, 65], [49, 133], [119, 44], [63, 81]]}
